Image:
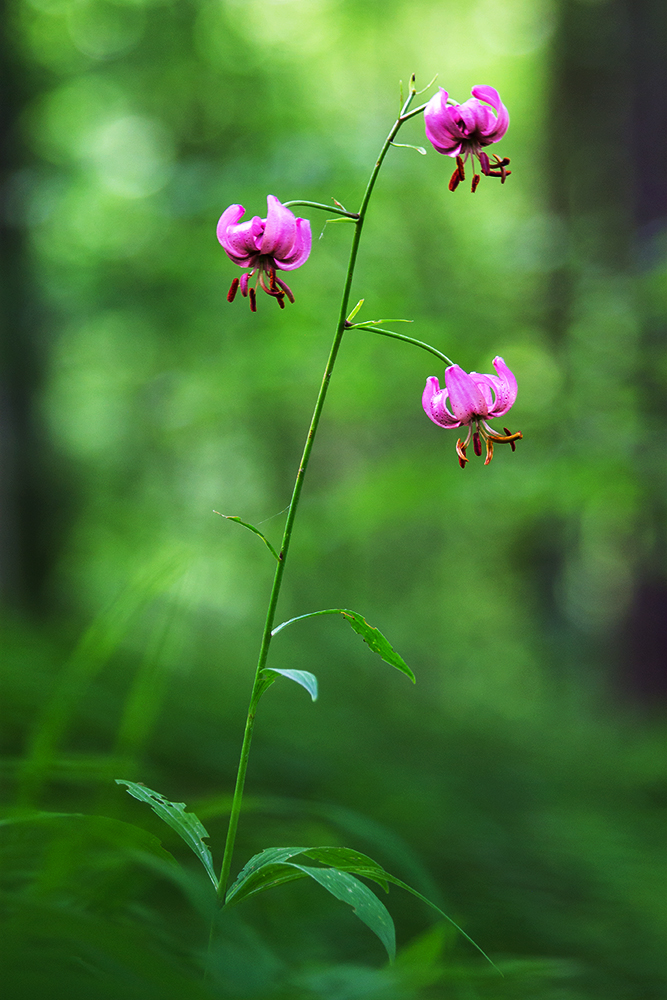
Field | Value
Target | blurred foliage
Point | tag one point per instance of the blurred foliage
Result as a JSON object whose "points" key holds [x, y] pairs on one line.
{"points": [[522, 784]]}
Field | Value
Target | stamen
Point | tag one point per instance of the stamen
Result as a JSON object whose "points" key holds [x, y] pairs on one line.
{"points": [[454, 180], [507, 438], [489, 451], [484, 162], [475, 181], [233, 289], [459, 164], [280, 298], [253, 300], [244, 284], [509, 434], [477, 443], [461, 452], [286, 289]]}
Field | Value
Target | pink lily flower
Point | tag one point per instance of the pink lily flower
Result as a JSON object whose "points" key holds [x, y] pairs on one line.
{"points": [[473, 400], [462, 130], [280, 242]]}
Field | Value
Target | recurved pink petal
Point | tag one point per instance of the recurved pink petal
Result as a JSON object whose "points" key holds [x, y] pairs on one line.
{"points": [[279, 231], [433, 401], [229, 217], [465, 397], [437, 106], [240, 244], [491, 96], [300, 251], [239, 241], [507, 389], [504, 385], [440, 124]]}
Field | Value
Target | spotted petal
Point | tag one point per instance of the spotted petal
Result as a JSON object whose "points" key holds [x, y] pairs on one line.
{"points": [[466, 398], [504, 386], [434, 400]]}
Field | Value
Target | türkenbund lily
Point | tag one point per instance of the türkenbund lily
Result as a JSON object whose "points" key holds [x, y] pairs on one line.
{"points": [[473, 399], [462, 130], [280, 242]]}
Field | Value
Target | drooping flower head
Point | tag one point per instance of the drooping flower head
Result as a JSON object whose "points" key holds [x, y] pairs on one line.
{"points": [[280, 242], [462, 131], [473, 399]]}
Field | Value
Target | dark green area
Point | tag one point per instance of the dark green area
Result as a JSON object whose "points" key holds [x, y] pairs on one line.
{"points": [[522, 783]]}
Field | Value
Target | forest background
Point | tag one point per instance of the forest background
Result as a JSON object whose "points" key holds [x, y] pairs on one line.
{"points": [[522, 781]]}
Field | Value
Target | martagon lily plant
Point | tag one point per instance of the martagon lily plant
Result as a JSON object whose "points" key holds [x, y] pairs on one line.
{"points": [[265, 248]]}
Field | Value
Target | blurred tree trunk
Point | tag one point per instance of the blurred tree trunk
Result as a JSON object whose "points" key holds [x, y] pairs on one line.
{"points": [[608, 181], [645, 665], [27, 496]]}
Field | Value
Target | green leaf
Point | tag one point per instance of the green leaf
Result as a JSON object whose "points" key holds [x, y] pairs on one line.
{"points": [[267, 869], [250, 872], [355, 311], [347, 860], [375, 639], [408, 145], [302, 677], [273, 867], [378, 643], [187, 825], [251, 527], [424, 899], [364, 903]]}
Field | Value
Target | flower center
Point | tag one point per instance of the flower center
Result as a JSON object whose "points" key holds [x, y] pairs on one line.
{"points": [[472, 149], [484, 432]]}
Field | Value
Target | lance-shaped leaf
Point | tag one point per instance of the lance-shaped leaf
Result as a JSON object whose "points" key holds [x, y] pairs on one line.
{"points": [[302, 677], [273, 867], [186, 824], [355, 311], [364, 903], [251, 527], [267, 869], [371, 635]]}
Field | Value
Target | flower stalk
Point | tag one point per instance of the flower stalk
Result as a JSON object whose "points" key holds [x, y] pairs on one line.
{"points": [[259, 684]]}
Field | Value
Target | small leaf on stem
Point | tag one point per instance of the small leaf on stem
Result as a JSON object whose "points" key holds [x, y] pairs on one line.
{"points": [[408, 145], [302, 677], [251, 527], [371, 635], [355, 311]]}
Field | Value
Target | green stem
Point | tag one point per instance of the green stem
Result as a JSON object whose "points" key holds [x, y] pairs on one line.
{"points": [[324, 208], [402, 336], [258, 686]]}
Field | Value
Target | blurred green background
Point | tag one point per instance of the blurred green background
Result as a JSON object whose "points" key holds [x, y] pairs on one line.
{"points": [[522, 783]]}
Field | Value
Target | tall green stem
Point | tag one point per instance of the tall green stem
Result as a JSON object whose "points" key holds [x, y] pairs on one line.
{"points": [[258, 685]]}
